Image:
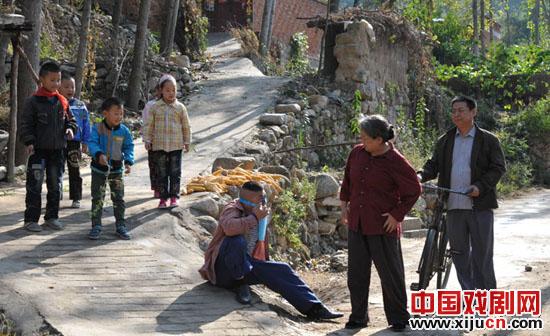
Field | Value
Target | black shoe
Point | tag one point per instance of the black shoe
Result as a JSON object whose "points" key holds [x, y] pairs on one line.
{"points": [[243, 294], [356, 325], [399, 327], [320, 312]]}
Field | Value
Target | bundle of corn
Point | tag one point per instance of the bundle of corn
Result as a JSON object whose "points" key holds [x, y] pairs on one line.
{"points": [[220, 180]]}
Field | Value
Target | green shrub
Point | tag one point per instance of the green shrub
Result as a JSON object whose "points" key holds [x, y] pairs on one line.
{"points": [[415, 140], [519, 167], [298, 63], [291, 210]]}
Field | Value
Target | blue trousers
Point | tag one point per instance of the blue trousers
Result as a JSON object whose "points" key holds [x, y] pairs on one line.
{"points": [[234, 263], [471, 238]]}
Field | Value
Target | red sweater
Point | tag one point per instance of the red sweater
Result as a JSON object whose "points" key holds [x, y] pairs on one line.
{"points": [[374, 185]]}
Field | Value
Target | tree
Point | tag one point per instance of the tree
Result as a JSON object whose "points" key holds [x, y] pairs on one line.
{"points": [[134, 84], [82, 46], [475, 35], [169, 29], [267, 26], [334, 5], [536, 22], [26, 84], [117, 14], [482, 25], [4, 41]]}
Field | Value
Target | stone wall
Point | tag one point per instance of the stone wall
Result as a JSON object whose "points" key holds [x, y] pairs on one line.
{"points": [[377, 65]]}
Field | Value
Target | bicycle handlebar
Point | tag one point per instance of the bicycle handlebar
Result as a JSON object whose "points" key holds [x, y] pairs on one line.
{"points": [[429, 186]]}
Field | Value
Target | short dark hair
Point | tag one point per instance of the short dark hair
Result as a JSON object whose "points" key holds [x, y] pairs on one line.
{"points": [[472, 104], [252, 186], [65, 75], [377, 126], [48, 67], [109, 102]]}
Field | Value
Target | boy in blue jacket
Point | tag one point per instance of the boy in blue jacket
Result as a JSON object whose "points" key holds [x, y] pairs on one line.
{"points": [[112, 150], [75, 147]]}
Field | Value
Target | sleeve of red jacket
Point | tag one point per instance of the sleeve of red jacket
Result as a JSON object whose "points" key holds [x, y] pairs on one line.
{"points": [[234, 224], [409, 188], [345, 189]]}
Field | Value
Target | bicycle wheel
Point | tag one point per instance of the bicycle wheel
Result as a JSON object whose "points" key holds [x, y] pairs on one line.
{"points": [[444, 259], [427, 259]]}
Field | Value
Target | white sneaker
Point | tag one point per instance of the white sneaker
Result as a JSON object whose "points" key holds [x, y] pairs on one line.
{"points": [[75, 205]]}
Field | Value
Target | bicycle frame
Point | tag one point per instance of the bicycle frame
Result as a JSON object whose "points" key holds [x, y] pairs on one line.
{"points": [[436, 256]]}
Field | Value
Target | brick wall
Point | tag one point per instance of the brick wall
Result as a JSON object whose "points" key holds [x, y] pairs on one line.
{"points": [[286, 24]]}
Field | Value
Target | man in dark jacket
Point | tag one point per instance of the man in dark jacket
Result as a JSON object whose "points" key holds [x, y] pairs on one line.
{"points": [[46, 123], [469, 158]]}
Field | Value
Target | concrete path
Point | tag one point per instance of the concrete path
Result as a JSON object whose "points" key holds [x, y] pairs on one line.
{"points": [[149, 285]]}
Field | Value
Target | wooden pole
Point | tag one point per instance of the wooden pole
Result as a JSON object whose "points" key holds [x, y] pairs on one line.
{"points": [[13, 110], [342, 144], [21, 52]]}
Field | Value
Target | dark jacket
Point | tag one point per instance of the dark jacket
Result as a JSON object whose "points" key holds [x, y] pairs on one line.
{"points": [[487, 165], [43, 123]]}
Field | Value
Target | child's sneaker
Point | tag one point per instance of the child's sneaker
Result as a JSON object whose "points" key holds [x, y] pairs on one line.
{"points": [[156, 194], [95, 232], [76, 204], [162, 204], [122, 232], [174, 202], [32, 226], [55, 224]]}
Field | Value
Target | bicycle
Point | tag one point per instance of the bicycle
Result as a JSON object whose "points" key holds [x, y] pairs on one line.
{"points": [[436, 254]]}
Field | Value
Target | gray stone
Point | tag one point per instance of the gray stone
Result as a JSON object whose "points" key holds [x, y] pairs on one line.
{"points": [[287, 108], [181, 60], [313, 227], [281, 170], [343, 232], [415, 233], [245, 162], [4, 138], [189, 86], [102, 73], [208, 223], [287, 142], [268, 136], [310, 113], [412, 223], [326, 185], [277, 119], [284, 128], [259, 149], [313, 159], [3, 172], [298, 173], [206, 205], [321, 211], [318, 100], [339, 262], [312, 211], [277, 130], [326, 228], [331, 201], [76, 21], [334, 219]]}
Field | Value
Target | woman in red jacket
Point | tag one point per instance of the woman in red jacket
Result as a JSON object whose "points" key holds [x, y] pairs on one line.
{"points": [[379, 188]]}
